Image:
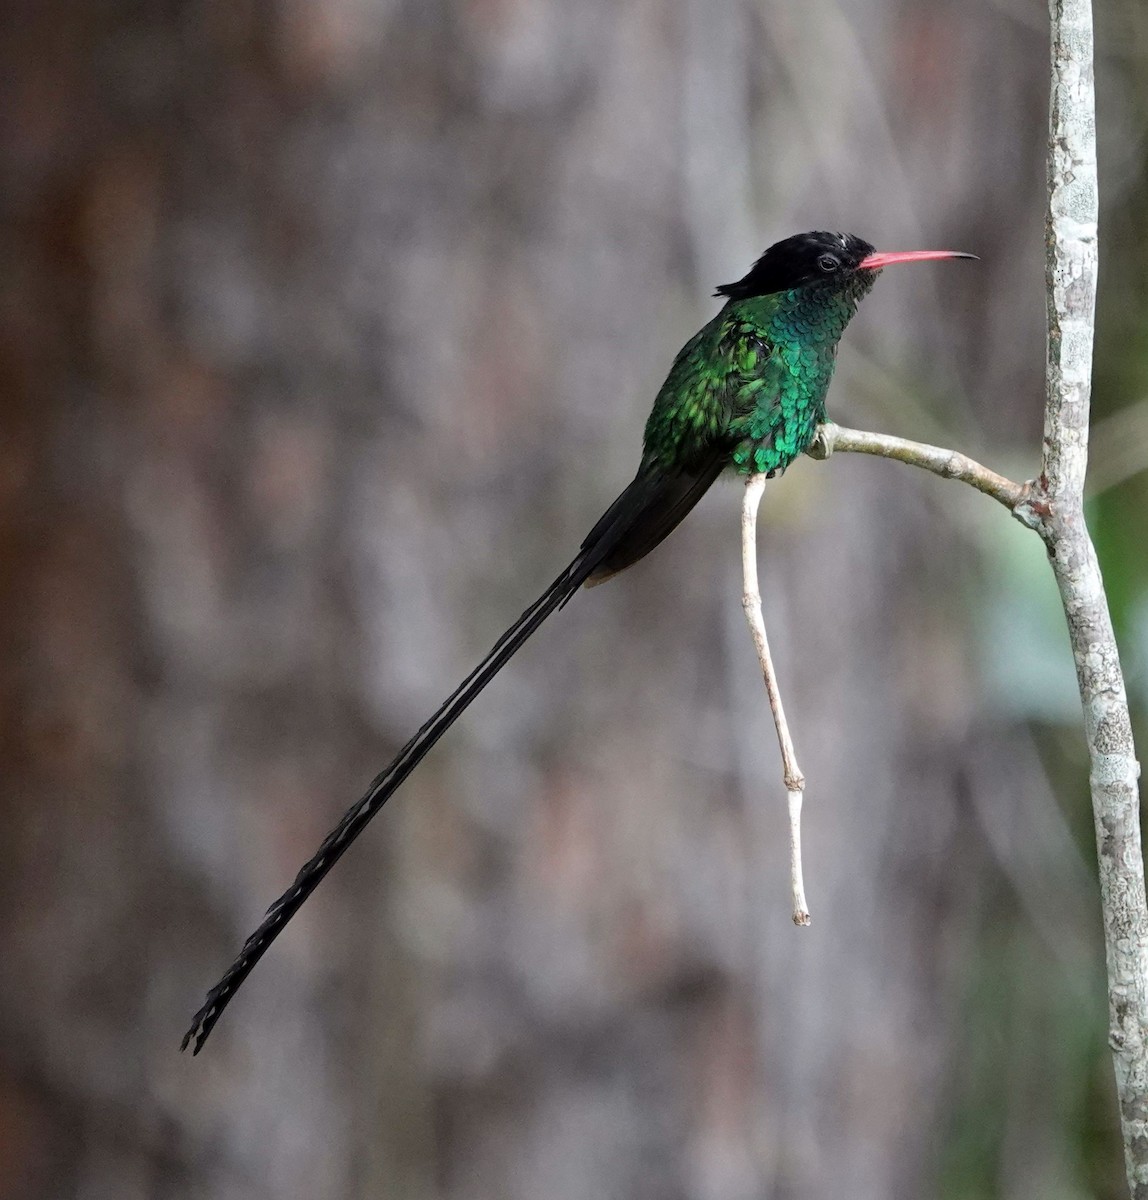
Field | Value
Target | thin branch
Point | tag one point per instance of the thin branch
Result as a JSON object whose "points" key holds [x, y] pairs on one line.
{"points": [[751, 602], [949, 464], [1070, 250]]}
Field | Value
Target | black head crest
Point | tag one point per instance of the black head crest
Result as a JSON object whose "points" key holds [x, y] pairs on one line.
{"points": [[798, 261]]}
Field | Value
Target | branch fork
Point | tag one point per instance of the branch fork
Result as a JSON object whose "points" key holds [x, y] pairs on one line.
{"points": [[1023, 500]]}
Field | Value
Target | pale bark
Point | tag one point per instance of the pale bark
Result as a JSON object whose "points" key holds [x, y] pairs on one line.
{"points": [[949, 464], [1071, 263], [791, 772]]}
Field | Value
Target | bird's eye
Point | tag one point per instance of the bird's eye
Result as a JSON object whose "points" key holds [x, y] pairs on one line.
{"points": [[828, 263]]}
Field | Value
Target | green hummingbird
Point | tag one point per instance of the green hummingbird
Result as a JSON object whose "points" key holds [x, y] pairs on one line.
{"points": [[746, 394]]}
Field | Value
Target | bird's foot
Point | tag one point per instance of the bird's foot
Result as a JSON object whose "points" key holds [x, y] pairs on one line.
{"points": [[822, 445]]}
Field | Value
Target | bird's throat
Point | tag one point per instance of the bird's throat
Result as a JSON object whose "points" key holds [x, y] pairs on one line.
{"points": [[803, 326]]}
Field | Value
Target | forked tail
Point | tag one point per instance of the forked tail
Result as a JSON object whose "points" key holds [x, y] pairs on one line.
{"points": [[641, 517]]}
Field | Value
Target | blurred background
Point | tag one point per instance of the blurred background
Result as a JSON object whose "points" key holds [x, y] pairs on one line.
{"points": [[327, 329]]}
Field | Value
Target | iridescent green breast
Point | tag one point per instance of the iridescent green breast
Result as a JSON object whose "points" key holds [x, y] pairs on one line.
{"points": [[776, 416], [753, 381]]}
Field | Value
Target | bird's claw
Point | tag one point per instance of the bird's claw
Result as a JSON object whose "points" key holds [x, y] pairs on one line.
{"points": [[822, 445]]}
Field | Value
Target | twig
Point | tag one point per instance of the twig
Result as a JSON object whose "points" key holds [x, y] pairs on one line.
{"points": [[751, 602], [949, 464]]}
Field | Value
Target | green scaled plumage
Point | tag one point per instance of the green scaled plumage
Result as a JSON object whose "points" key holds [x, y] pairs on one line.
{"points": [[753, 380]]}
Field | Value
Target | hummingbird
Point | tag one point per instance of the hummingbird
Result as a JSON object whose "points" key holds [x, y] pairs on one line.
{"points": [[745, 394]]}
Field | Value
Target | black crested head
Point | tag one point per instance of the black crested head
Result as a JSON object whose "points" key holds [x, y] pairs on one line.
{"points": [[798, 261]]}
